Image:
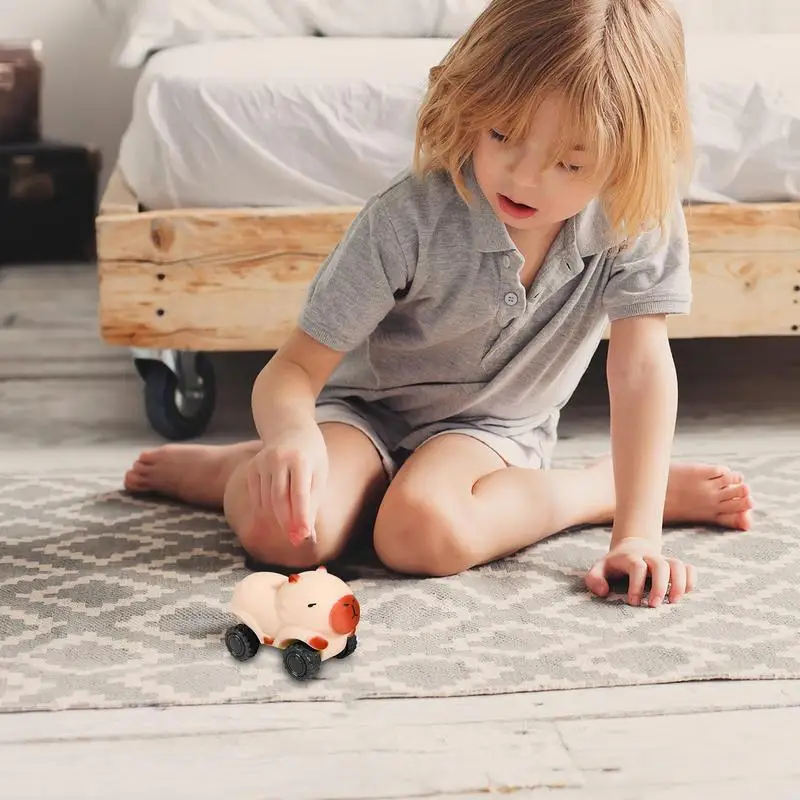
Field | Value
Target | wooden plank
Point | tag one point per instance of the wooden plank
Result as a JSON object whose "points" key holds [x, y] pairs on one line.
{"points": [[708, 790], [237, 279], [655, 756], [622, 702], [228, 280], [742, 294], [677, 750], [300, 762], [202, 308], [234, 239], [760, 227], [118, 197], [216, 307]]}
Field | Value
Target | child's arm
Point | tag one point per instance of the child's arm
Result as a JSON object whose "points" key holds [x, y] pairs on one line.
{"points": [[648, 281], [288, 475], [285, 392], [643, 392]]}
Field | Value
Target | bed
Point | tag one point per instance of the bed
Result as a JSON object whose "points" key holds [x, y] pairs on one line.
{"points": [[246, 159]]}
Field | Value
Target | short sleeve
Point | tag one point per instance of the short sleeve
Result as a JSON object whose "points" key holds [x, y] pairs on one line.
{"points": [[654, 275], [356, 286]]}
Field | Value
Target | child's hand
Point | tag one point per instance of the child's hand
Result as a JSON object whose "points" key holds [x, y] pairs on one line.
{"points": [[289, 476], [634, 558]]}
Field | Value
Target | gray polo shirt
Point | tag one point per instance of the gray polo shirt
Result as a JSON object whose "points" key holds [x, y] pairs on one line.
{"points": [[424, 296]]}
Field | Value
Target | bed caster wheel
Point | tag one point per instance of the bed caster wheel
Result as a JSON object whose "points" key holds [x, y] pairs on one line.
{"points": [[350, 647], [179, 397], [241, 642], [301, 661]]}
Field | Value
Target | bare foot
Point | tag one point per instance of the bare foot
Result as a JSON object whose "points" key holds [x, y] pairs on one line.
{"points": [[702, 493], [696, 494], [194, 474]]}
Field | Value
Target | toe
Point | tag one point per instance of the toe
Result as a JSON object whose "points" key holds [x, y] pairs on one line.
{"points": [[132, 482], [735, 505], [723, 478], [733, 492], [139, 471], [740, 521]]}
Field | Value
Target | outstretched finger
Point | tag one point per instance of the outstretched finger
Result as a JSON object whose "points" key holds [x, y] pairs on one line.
{"points": [[299, 492]]}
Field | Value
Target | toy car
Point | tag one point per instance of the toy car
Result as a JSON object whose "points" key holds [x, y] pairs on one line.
{"points": [[312, 616]]}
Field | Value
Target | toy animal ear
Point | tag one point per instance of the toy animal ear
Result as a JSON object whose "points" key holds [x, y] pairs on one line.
{"points": [[294, 578], [321, 568]]}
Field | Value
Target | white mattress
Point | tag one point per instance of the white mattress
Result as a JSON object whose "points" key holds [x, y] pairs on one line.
{"points": [[313, 121]]}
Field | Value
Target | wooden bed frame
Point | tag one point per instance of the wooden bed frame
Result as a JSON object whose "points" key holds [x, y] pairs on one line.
{"points": [[235, 279]]}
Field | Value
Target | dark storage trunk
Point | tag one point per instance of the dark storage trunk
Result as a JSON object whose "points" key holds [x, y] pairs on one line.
{"points": [[48, 201]]}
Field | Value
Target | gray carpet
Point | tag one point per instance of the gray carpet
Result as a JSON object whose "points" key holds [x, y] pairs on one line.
{"points": [[111, 601]]}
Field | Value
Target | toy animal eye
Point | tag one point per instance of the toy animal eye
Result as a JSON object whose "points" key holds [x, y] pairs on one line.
{"points": [[311, 605]]}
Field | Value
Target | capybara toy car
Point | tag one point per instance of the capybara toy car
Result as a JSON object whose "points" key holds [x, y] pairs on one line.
{"points": [[312, 616]]}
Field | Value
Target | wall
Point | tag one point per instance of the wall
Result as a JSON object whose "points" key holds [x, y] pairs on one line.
{"points": [[84, 99]]}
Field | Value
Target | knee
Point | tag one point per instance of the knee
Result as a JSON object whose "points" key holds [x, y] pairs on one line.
{"points": [[420, 535], [261, 537], [271, 547]]}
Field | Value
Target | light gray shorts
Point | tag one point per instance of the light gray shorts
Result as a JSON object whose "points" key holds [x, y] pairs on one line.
{"points": [[378, 426]]}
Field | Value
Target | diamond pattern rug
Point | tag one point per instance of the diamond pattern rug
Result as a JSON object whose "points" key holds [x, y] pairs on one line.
{"points": [[109, 601]]}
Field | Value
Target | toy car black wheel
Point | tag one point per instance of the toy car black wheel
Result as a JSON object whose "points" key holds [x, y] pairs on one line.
{"points": [[241, 642], [350, 647], [172, 413], [301, 661]]}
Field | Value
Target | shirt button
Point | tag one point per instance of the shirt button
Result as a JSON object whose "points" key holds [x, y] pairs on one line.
{"points": [[511, 299], [506, 261]]}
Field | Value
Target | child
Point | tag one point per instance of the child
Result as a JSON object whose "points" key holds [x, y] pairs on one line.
{"points": [[419, 396]]}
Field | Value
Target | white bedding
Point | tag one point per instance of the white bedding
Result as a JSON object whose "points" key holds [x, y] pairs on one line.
{"points": [[313, 120], [153, 25]]}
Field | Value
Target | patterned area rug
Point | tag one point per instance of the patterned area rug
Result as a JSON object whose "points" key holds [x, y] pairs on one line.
{"points": [[111, 601]]}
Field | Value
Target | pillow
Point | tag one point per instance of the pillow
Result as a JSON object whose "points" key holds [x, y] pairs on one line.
{"points": [[455, 16], [392, 18], [153, 25]]}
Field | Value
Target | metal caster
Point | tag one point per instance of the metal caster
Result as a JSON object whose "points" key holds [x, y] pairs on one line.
{"points": [[179, 391]]}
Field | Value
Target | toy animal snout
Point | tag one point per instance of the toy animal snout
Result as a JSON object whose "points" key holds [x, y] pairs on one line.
{"points": [[345, 615]]}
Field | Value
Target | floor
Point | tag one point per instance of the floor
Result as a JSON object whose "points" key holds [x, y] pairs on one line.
{"points": [[67, 401]]}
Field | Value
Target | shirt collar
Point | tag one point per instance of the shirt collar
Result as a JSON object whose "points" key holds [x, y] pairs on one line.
{"points": [[491, 236], [586, 234]]}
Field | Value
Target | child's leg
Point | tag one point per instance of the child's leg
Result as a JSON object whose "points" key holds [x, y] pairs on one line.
{"points": [[455, 504], [195, 474], [214, 477]]}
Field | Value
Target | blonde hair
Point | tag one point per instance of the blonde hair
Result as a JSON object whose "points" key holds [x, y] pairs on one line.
{"points": [[618, 64]]}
